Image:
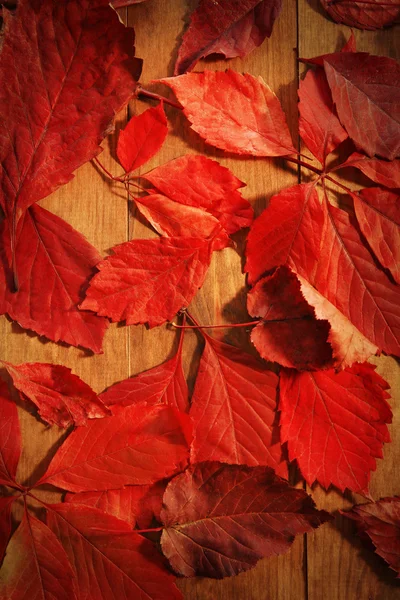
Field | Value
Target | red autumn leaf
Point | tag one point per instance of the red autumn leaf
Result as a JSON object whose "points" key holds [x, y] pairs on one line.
{"points": [[226, 27], [288, 232], [384, 172], [288, 332], [5, 523], [348, 277], [335, 424], [319, 125], [204, 183], [261, 129], [163, 384], [222, 519], [137, 445], [58, 101], [233, 409], [142, 138], [53, 263], [135, 504], [62, 398], [351, 44], [378, 214], [148, 281], [110, 560], [373, 14], [10, 437], [36, 565], [366, 93], [380, 521]]}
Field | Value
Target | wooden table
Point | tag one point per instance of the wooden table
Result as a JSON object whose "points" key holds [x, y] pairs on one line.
{"points": [[331, 563]]}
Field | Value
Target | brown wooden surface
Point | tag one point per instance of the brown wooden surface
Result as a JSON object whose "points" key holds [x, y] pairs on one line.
{"points": [[331, 563]]}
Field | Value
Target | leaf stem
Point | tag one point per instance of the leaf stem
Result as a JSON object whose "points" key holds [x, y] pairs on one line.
{"points": [[148, 530], [107, 172], [147, 94], [296, 161], [227, 326]]}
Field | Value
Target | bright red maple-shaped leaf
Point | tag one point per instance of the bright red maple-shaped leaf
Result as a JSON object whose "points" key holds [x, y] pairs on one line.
{"points": [[226, 27], [203, 183], [288, 332], [366, 93], [148, 281], [384, 172], [319, 125], [10, 437], [372, 14], [335, 424], [378, 214], [139, 444], [5, 523], [380, 521], [59, 100], [233, 409], [62, 398], [109, 559], [261, 130], [288, 232], [36, 565], [142, 138], [163, 384], [221, 519], [53, 264]]}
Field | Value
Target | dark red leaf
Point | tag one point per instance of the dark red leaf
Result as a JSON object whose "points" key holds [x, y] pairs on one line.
{"points": [[10, 436], [62, 398], [335, 424], [261, 129], [5, 523], [142, 138], [232, 28], [148, 281], [372, 15], [233, 409], [385, 172], [110, 560], [137, 445], [221, 519]]}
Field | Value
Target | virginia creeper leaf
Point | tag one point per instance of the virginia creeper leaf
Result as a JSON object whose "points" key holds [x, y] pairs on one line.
{"points": [[380, 521], [335, 424], [221, 519], [232, 28], [137, 445], [372, 15], [62, 398], [233, 409], [142, 138], [5, 523], [148, 281], [366, 92], [288, 332], [109, 559], [384, 172], [319, 125], [261, 129], [10, 436], [204, 183], [378, 214], [36, 565]]}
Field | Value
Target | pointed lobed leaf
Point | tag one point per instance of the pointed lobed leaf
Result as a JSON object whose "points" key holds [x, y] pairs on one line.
{"points": [[372, 15], [53, 264], [226, 27], [221, 519], [384, 172], [288, 332], [319, 125], [10, 437], [110, 560], [335, 424], [212, 102], [366, 92], [60, 98], [288, 232], [5, 523], [204, 183], [137, 445], [142, 138], [380, 521], [233, 409], [62, 398], [148, 281], [36, 565], [378, 215]]}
